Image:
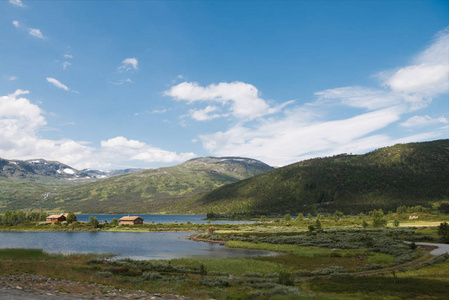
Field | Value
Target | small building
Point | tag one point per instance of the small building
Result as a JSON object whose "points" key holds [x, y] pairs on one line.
{"points": [[56, 218], [130, 220]]}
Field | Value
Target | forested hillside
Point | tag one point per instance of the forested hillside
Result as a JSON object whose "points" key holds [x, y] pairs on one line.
{"points": [[404, 174]]}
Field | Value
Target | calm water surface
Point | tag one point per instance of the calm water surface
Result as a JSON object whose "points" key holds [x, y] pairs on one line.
{"points": [[135, 245], [196, 219]]}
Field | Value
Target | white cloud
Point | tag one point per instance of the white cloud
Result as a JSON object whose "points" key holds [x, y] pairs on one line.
{"points": [[136, 150], [122, 81], [128, 64], [68, 56], [360, 97], [294, 136], [314, 129], [65, 65], [429, 76], [11, 77], [32, 31], [20, 125], [421, 121], [243, 98], [57, 84], [425, 79], [36, 33], [17, 3], [204, 114]]}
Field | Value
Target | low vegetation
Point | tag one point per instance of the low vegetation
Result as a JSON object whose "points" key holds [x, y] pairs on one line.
{"points": [[357, 261]]}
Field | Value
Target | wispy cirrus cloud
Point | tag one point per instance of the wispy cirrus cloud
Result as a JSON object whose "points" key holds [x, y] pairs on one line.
{"points": [[122, 81], [57, 83], [422, 121], [286, 134]]}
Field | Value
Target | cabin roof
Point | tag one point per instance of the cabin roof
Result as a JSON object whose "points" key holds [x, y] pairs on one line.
{"points": [[55, 216], [130, 218]]}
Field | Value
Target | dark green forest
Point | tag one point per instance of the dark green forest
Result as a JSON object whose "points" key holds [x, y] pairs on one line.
{"points": [[404, 174]]}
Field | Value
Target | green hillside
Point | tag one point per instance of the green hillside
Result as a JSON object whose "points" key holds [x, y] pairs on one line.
{"points": [[405, 174], [27, 183], [153, 190]]}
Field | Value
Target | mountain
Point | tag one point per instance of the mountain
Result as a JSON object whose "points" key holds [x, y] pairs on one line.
{"points": [[152, 190], [38, 168], [27, 183], [404, 174], [111, 173]]}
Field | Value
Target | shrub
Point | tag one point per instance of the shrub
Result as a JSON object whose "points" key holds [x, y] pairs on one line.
{"points": [[443, 231], [103, 274], [278, 290], [151, 276], [330, 270], [251, 274], [215, 282], [286, 278]]}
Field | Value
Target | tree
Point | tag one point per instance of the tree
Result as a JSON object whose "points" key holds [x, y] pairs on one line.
{"points": [[300, 217], [444, 208], [93, 221], [114, 222], [287, 217], [311, 228], [318, 225], [338, 215], [378, 218], [396, 223], [443, 231], [70, 217]]}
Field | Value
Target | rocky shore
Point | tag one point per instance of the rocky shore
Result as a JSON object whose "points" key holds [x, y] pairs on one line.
{"points": [[28, 286]]}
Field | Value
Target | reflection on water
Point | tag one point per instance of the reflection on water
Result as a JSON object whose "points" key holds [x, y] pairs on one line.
{"points": [[135, 245]]}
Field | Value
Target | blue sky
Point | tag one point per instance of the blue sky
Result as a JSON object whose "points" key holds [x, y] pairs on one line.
{"points": [[115, 84]]}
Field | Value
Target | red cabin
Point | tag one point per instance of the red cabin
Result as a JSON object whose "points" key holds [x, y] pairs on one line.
{"points": [[56, 218]]}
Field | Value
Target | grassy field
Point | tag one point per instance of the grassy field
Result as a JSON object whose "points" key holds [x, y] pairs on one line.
{"points": [[327, 264]]}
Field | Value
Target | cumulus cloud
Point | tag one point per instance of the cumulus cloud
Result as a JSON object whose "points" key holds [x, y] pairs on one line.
{"points": [[17, 3], [22, 121], [244, 99], [57, 83], [16, 23], [128, 64]]}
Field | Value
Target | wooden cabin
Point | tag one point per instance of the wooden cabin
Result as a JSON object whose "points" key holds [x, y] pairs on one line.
{"points": [[56, 218], [130, 220]]}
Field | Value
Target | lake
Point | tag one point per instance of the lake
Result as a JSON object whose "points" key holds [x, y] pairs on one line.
{"points": [[135, 245], [196, 219]]}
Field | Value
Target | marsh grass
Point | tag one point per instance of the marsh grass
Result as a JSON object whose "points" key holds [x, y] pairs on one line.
{"points": [[233, 266]]}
